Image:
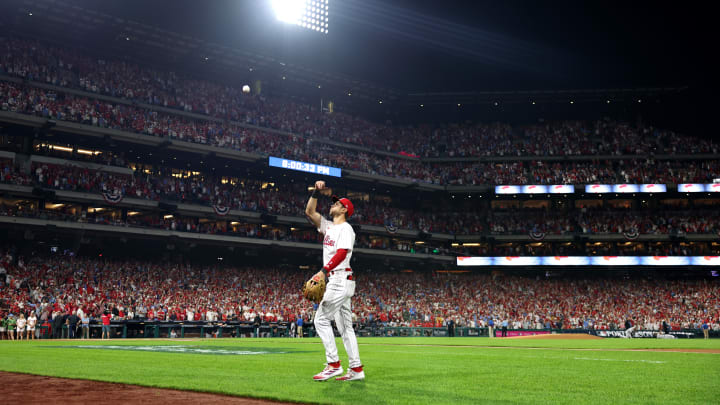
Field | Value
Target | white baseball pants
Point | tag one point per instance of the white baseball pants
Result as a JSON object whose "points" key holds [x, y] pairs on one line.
{"points": [[336, 305]]}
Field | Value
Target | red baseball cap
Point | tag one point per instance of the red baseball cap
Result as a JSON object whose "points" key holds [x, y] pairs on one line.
{"points": [[346, 203]]}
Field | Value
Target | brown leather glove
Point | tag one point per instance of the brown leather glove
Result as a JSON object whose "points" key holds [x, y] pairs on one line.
{"points": [[314, 289]]}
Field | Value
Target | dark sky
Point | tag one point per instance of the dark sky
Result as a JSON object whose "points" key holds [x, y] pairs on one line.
{"points": [[450, 45]]}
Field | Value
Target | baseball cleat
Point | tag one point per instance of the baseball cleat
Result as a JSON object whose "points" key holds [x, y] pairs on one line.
{"points": [[328, 373], [352, 375]]}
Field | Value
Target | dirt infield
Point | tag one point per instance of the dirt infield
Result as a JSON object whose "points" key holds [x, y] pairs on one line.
{"points": [[559, 336], [35, 389]]}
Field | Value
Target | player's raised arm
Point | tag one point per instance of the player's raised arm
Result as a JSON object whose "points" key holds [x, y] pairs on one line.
{"points": [[310, 211]]}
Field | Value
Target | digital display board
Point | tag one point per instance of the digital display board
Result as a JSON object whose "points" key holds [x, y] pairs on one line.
{"points": [[535, 189], [566, 260], [639, 188], [665, 260], [691, 188], [598, 188], [508, 189], [625, 188], [614, 261], [602, 188], [705, 260], [588, 261], [561, 189], [712, 188], [517, 261], [304, 167], [653, 188], [474, 261]]}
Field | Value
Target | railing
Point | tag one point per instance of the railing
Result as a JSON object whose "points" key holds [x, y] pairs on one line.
{"points": [[150, 329]]}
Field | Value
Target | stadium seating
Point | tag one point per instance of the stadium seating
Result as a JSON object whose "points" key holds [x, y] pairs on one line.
{"points": [[61, 284], [41, 80], [252, 118]]}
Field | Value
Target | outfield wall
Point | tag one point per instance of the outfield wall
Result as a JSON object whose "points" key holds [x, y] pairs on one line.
{"points": [[149, 329]]}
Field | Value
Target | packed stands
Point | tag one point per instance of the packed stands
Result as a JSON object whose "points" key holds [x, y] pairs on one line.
{"points": [[35, 61], [170, 291]]}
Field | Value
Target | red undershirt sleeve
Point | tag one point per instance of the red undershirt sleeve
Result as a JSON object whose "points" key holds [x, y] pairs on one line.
{"points": [[337, 259]]}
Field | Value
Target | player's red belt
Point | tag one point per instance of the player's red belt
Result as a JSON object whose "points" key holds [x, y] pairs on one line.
{"points": [[339, 270]]}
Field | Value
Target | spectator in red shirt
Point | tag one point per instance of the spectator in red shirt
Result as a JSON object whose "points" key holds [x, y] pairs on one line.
{"points": [[105, 324]]}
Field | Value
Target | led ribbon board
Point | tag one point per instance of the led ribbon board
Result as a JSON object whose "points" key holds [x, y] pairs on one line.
{"points": [[304, 167], [589, 261], [699, 188], [535, 189], [625, 188]]}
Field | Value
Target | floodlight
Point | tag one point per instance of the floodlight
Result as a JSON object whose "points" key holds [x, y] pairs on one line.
{"points": [[289, 11], [303, 13]]}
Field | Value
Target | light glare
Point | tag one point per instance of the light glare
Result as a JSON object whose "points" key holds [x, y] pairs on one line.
{"points": [[303, 13], [289, 11]]}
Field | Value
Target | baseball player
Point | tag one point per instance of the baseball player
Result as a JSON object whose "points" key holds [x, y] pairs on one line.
{"points": [[630, 327], [335, 305], [21, 322]]}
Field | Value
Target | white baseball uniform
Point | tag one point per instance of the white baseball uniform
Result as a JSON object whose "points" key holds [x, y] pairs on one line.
{"points": [[31, 322], [21, 324], [340, 288]]}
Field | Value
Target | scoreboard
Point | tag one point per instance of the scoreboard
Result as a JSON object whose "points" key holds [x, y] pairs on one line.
{"points": [[304, 167]]}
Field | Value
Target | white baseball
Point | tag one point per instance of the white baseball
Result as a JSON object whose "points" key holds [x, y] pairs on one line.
{"points": [[319, 184]]}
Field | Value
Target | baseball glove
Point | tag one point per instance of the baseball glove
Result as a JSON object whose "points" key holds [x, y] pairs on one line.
{"points": [[314, 289]]}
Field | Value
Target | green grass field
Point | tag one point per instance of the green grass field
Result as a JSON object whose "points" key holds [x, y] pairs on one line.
{"points": [[398, 370]]}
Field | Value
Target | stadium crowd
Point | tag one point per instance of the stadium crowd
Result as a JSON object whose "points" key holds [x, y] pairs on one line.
{"points": [[45, 103], [229, 118], [63, 285], [219, 227], [257, 196], [382, 242], [414, 299], [35, 61], [243, 194], [598, 171], [656, 222]]}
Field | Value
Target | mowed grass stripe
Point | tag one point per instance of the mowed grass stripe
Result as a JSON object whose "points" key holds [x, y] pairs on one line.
{"points": [[442, 370]]}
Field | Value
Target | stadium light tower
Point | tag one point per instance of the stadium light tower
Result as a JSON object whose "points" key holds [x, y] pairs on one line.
{"points": [[310, 14]]}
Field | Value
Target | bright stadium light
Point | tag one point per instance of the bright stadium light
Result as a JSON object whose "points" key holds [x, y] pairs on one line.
{"points": [[311, 14], [289, 11]]}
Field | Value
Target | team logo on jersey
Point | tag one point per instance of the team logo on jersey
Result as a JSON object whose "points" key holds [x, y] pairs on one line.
{"points": [[328, 242]]}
